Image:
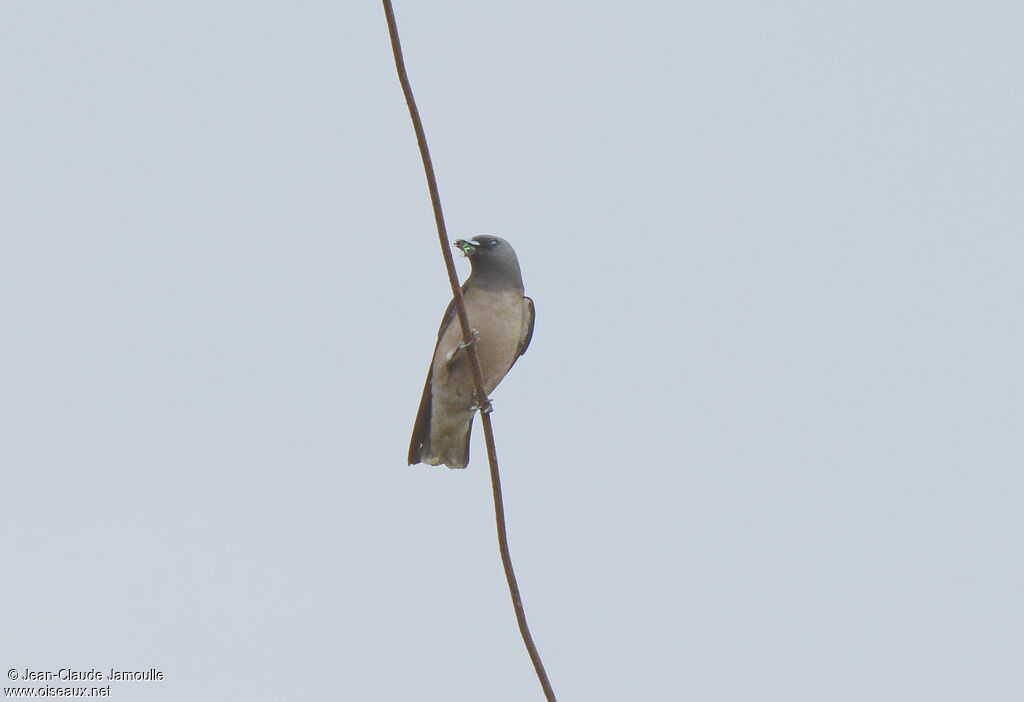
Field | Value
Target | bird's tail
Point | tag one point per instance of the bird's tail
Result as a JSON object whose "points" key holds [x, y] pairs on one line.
{"points": [[449, 444]]}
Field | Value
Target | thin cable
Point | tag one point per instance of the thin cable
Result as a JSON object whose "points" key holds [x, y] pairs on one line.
{"points": [[474, 361]]}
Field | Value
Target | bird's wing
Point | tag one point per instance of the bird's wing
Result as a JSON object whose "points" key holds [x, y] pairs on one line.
{"points": [[530, 313], [421, 429]]}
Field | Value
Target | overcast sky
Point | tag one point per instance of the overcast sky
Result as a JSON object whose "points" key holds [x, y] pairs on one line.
{"points": [[766, 443]]}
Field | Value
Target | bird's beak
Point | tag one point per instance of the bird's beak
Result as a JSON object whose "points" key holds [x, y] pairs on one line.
{"points": [[467, 247]]}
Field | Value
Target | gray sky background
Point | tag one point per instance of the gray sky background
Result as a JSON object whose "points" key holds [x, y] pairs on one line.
{"points": [[766, 444]]}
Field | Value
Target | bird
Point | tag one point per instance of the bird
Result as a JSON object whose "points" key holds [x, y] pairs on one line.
{"points": [[501, 317]]}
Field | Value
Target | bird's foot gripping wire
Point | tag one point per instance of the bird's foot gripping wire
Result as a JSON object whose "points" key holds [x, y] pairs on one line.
{"points": [[475, 338], [453, 354], [484, 407]]}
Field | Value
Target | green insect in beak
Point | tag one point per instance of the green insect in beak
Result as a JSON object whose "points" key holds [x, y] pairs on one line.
{"points": [[467, 247]]}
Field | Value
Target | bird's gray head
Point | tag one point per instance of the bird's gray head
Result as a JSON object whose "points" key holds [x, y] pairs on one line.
{"points": [[493, 259]]}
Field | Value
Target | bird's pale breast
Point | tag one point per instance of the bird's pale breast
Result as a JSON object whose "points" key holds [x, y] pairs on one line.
{"points": [[498, 317]]}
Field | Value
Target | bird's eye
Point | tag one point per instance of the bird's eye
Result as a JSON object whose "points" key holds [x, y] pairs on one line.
{"points": [[492, 242]]}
